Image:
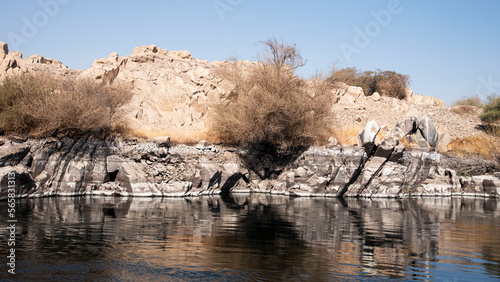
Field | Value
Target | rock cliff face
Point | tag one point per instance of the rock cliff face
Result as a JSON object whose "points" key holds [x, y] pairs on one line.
{"points": [[89, 166], [172, 90]]}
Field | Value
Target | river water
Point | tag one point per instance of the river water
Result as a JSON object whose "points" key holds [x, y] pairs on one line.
{"points": [[254, 237]]}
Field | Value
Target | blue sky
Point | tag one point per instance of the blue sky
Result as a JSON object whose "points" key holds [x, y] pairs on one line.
{"points": [[450, 49]]}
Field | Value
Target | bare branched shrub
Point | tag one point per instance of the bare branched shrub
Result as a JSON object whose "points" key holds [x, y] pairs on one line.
{"points": [[386, 83], [46, 105], [270, 104]]}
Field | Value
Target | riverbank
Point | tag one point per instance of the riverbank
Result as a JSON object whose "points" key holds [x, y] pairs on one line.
{"points": [[87, 165]]}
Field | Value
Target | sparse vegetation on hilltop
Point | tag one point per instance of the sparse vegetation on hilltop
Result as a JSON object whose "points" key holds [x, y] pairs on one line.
{"points": [[491, 111], [45, 105], [491, 116], [271, 105], [469, 101], [386, 83]]}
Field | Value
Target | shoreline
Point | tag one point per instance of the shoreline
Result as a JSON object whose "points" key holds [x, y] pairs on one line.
{"points": [[128, 168]]}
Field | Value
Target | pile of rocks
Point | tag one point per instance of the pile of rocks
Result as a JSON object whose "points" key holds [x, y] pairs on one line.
{"points": [[353, 109]]}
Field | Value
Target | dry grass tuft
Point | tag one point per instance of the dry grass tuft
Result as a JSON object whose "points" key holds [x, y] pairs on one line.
{"points": [[469, 101], [177, 136], [485, 147], [465, 110], [347, 135]]}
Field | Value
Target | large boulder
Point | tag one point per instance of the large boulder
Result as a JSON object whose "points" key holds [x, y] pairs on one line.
{"points": [[406, 126], [17, 178], [369, 133], [134, 181], [349, 94], [428, 131], [11, 61]]}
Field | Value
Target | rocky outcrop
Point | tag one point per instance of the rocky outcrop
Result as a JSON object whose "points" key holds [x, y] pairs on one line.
{"points": [[173, 92], [90, 166], [393, 171], [4, 50], [428, 131], [171, 89], [346, 94]]}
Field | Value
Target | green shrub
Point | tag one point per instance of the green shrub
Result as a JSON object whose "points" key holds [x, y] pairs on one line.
{"points": [[386, 83], [491, 115], [271, 105], [45, 105]]}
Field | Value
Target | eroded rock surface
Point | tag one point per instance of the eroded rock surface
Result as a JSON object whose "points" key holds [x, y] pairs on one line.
{"points": [[90, 166]]}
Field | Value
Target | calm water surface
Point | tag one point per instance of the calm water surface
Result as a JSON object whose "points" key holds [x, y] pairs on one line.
{"points": [[257, 237]]}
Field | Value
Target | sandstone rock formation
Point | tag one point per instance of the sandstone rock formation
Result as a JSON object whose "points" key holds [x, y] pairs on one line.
{"points": [[173, 92]]}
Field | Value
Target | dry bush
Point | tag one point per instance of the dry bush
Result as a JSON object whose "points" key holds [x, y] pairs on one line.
{"points": [[391, 84], [485, 147], [386, 83], [464, 110], [45, 105], [349, 76], [469, 101], [18, 95], [271, 105]]}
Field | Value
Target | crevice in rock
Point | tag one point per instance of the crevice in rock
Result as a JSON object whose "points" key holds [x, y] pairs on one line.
{"points": [[111, 176], [353, 179], [232, 181]]}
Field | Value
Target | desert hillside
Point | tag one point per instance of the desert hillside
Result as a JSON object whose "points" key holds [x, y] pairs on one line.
{"points": [[172, 93]]}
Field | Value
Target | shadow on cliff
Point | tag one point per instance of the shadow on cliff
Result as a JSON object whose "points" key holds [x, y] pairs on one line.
{"points": [[266, 160]]}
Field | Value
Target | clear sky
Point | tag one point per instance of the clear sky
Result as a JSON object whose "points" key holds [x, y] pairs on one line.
{"points": [[450, 49]]}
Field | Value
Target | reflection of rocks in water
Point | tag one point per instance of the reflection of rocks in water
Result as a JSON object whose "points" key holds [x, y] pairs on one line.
{"points": [[284, 237]]}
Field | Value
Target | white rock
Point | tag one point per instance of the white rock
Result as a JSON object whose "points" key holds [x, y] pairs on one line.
{"points": [[375, 96], [202, 145], [369, 132]]}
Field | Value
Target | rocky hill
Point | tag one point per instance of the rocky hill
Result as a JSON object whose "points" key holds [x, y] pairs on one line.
{"points": [[173, 91], [172, 94]]}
